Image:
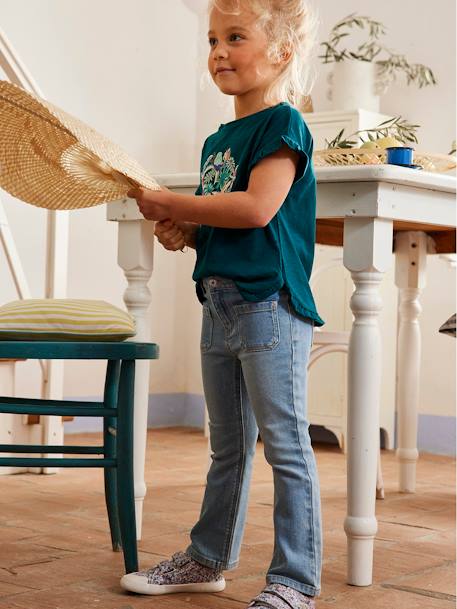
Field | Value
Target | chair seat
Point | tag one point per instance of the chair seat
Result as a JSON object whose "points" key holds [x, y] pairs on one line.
{"points": [[322, 337], [77, 350]]}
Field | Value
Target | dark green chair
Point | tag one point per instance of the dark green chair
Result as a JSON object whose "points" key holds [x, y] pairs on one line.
{"points": [[117, 412]]}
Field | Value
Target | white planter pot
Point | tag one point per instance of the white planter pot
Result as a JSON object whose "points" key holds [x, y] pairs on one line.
{"points": [[354, 84]]}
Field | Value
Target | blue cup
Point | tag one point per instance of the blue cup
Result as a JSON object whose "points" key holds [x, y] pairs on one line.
{"points": [[399, 155]]}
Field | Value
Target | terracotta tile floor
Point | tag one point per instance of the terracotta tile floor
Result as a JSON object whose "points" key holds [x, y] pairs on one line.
{"points": [[55, 551]]}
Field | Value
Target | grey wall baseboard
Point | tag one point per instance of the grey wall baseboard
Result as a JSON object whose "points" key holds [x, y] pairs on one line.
{"points": [[176, 409], [436, 434]]}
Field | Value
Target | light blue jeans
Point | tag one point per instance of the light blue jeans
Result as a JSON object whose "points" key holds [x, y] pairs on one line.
{"points": [[254, 366]]}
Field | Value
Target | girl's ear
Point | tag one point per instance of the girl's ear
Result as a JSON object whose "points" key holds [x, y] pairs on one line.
{"points": [[286, 53]]}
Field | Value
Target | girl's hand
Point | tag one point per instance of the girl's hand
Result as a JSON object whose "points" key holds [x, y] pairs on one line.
{"points": [[175, 235], [169, 235], [153, 204]]}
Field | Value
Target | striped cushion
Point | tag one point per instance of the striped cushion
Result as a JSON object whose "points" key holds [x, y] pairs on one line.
{"points": [[64, 319]]}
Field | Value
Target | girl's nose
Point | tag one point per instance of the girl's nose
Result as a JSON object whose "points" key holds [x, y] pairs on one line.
{"points": [[220, 52]]}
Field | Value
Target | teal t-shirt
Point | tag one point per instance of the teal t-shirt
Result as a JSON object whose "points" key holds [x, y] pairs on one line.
{"points": [[263, 260]]}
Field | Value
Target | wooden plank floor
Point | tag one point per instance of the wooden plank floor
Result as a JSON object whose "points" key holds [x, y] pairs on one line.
{"points": [[55, 550]]}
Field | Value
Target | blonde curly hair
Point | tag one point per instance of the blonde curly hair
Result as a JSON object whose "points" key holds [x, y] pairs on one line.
{"points": [[291, 26]]}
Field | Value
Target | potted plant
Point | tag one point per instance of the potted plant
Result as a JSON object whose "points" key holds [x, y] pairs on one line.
{"points": [[361, 75]]}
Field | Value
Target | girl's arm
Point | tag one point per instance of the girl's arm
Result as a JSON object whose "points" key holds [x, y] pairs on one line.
{"points": [[269, 184]]}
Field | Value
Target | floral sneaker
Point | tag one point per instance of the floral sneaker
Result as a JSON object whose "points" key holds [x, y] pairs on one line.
{"points": [[179, 574], [278, 596]]}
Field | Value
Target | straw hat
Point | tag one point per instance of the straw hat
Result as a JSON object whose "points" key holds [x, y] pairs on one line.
{"points": [[51, 159]]}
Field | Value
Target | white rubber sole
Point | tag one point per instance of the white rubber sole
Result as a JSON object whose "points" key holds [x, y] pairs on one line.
{"points": [[139, 584]]}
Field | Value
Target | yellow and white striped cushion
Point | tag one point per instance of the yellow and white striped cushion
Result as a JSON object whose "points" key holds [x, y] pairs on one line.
{"points": [[64, 319]]}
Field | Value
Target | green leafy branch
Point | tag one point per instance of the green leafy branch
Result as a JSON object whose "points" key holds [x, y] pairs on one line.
{"points": [[365, 52], [396, 127], [340, 142], [371, 49], [415, 72]]}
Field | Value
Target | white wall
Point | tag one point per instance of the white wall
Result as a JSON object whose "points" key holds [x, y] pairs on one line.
{"points": [[126, 68], [134, 71]]}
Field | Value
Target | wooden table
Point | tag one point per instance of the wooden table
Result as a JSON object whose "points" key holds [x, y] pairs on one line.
{"points": [[370, 211]]}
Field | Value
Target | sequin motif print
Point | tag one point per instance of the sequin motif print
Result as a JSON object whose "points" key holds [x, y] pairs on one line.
{"points": [[219, 173]]}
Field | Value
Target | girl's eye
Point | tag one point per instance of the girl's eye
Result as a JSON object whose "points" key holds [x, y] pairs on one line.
{"points": [[233, 38]]}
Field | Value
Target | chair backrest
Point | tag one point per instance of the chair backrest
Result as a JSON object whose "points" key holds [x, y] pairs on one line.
{"points": [[320, 270]]}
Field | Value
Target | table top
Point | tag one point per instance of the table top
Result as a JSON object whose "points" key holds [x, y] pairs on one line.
{"points": [[414, 200], [388, 173], [351, 173], [419, 190]]}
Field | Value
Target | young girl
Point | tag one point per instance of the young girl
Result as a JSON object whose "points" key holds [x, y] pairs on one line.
{"points": [[254, 238]]}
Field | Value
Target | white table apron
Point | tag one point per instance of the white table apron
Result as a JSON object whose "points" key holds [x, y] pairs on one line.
{"points": [[361, 206]]}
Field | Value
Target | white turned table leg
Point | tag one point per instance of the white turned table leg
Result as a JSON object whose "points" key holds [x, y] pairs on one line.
{"points": [[379, 479], [135, 256], [411, 259], [367, 255]]}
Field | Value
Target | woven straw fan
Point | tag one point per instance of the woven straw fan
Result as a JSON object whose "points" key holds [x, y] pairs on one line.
{"points": [[51, 159]]}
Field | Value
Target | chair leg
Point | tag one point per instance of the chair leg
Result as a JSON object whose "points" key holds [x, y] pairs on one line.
{"points": [[124, 458], [109, 437], [110, 474]]}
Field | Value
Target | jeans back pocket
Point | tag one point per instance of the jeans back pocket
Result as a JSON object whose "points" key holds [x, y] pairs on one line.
{"points": [[258, 325]]}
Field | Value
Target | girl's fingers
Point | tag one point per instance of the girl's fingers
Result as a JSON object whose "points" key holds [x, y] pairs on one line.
{"points": [[164, 223], [175, 241], [169, 235], [172, 240], [160, 227], [176, 244], [173, 233], [167, 232]]}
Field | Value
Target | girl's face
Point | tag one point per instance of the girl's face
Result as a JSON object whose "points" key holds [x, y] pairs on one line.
{"points": [[238, 60]]}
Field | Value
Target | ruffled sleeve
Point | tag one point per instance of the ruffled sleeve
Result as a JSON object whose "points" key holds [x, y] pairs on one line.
{"points": [[285, 127]]}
